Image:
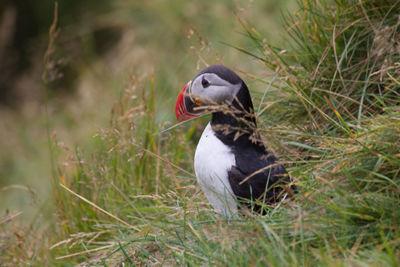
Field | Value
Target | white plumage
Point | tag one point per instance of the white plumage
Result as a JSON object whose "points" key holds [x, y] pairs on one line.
{"points": [[212, 162]]}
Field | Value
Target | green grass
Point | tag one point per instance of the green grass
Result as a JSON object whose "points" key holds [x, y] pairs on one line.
{"points": [[330, 112], [99, 52]]}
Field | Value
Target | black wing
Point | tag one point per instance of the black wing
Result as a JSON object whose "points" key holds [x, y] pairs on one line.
{"points": [[258, 176]]}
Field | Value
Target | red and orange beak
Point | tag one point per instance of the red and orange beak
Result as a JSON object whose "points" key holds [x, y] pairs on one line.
{"points": [[185, 104]]}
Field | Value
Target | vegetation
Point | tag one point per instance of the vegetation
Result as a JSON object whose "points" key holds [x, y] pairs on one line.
{"points": [[330, 110]]}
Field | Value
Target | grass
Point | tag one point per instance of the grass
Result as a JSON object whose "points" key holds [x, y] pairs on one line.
{"points": [[330, 112], [96, 47], [98, 54], [343, 155]]}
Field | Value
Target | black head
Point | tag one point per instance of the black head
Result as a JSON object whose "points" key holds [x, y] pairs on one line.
{"points": [[214, 86], [222, 72]]}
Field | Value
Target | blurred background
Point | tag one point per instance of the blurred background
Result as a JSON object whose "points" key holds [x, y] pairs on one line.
{"points": [[63, 85]]}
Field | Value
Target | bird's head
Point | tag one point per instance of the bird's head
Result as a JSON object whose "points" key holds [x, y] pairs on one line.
{"points": [[214, 86]]}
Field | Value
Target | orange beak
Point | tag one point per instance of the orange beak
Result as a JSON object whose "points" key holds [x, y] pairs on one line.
{"points": [[184, 105]]}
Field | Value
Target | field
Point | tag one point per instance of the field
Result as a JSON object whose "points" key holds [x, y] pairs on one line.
{"points": [[96, 171]]}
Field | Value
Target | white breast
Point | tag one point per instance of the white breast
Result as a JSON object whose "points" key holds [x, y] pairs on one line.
{"points": [[212, 161]]}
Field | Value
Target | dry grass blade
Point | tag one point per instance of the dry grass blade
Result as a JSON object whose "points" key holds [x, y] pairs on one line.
{"points": [[85, 252], [100, 209], [259, 171], [10, 217], [169, 162]]}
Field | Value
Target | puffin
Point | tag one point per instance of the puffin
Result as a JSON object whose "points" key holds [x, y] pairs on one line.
{"points": [[232, 165]]}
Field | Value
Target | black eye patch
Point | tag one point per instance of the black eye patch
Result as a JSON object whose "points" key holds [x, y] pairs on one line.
{"points": [[205, 83]]}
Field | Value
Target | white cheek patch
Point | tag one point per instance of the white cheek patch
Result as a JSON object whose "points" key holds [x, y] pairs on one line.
{"points": [[219, 91], [220, 94]]}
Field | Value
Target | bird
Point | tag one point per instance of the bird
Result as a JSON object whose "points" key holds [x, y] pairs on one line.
{"points": [[232, 165]]}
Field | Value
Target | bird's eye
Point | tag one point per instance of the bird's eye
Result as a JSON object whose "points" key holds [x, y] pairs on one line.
{"points": [[205, 83]]}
